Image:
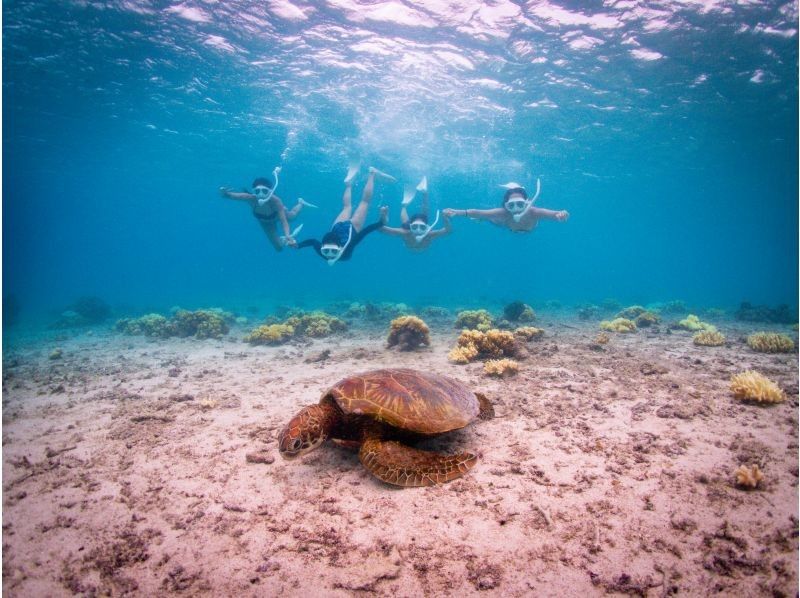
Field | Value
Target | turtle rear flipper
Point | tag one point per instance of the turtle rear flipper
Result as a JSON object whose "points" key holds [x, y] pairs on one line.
{"points": [[401, 465]]}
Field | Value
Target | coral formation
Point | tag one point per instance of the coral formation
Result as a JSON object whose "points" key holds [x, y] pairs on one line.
{"points": [[56, 354], [475, 344], [693, 324], [618, 325], [517, 311], [748, 477], [152, 325], [762, 313], [478, 319], [752, 386], [602, 339], [709, 338], [465, 354], [408, 333], [646, 319], [770, 342], [86, 311], [316, 324], [674, 307], [434, 311], [630, 313], [529, 333], [501, 367], [270, 334], [201, 323]]}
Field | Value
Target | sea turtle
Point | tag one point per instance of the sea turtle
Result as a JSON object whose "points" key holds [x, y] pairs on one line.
{"points": [[376, 411]]}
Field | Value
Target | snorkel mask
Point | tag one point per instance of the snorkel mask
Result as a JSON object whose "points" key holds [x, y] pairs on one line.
{"points": [[332, 252], [517, 204], [262, 192], [420, 229]]}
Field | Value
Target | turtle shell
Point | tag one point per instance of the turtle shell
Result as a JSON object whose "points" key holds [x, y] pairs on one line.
{"points": [[407, 399]]}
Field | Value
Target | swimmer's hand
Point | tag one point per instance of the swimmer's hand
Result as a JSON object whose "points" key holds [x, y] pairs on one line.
{"points": [[450, 212], [562, 216], [291, 242], [223, 191]]}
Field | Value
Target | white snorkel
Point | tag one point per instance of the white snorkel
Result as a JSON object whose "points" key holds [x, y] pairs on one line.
{"points": [[292, 236], [264, 200], [517, 216], [428, 228], [333, 260]]}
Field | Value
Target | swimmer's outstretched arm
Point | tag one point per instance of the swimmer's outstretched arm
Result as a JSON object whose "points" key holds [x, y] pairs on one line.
{"points": [[388, 230], [541, 213], [235, 195], [444, 231]]}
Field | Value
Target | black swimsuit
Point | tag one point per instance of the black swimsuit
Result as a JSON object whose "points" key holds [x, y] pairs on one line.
{"points": [[264, 217], [348, 251]]}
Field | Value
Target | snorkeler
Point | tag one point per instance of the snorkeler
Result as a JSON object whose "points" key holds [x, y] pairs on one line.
{"points": [[517, 214], [268, 208], [348, 229], [417, 234]]}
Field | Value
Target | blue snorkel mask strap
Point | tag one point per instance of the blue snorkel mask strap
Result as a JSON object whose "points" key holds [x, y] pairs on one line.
{"points": [[419, 238], [332, 261], [264, 200]]}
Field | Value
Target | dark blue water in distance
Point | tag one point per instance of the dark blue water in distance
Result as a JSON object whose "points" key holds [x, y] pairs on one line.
{"points": [[667, 129]]}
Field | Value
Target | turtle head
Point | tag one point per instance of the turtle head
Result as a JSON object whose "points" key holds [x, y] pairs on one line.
{"points": [[307, 430]]}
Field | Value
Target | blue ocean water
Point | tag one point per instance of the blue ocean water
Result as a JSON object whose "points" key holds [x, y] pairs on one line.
{"points": [[667, 129]]}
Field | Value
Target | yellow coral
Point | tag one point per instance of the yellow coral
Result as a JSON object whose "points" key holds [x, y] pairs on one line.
{"points": [[529, 332], [463, 353], [602, 339], [315, 324], [749, 477], [770, 342], [501, 367], [752, 386], [479, 319], [408, 332], [693, 324], [618, 325], [270, 334], [492, 343], [709, 338]]}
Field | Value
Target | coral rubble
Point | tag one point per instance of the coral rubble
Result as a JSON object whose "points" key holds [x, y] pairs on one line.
{"points": [[408, 333], [770, 342], [752, 386], [618, 325], [709, 338]]}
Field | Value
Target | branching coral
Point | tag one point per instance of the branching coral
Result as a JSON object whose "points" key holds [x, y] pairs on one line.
{"points": [[748, 477], [501, 367], [270, 334], [618, 325], [770, 342], [646, 319], [709, 338], [408, 333], [693, 324], [517, 311], [463, 354], [529, 333], [490, 344], [752, 386], [630, 313], [479, 319], [316, 324]]}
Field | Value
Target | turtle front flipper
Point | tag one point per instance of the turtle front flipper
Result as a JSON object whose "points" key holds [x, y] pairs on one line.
{"points": [[401, 465]]}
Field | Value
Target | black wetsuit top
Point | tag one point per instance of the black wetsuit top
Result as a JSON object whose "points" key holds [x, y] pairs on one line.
{"points": [[355, 240]]}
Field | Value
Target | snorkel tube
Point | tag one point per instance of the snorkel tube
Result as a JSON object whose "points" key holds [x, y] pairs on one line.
{"points": [[264, 200], [428, 229], [333, 260]]}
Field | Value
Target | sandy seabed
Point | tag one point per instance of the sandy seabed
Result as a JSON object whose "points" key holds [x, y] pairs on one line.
{"points": [[141, 467]]}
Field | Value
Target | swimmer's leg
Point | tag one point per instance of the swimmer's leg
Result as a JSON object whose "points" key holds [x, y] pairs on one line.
{"points": [[347, 203], [272, 235], [360, 214], [423, 188]]}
